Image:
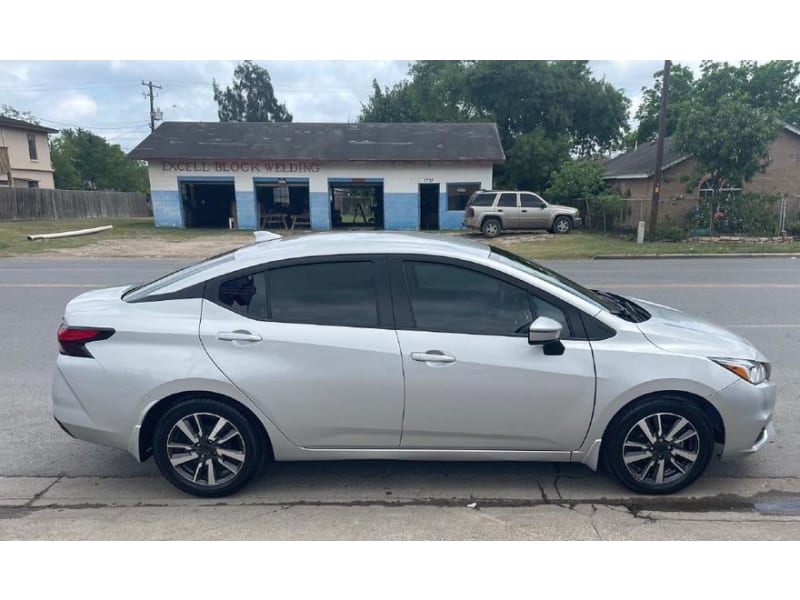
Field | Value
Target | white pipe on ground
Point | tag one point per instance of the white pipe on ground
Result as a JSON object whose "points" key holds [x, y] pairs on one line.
{"points": [[63, 234]]}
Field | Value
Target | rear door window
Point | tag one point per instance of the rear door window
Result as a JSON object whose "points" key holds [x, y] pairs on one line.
{"points": [[507, 200], [329, 293]]}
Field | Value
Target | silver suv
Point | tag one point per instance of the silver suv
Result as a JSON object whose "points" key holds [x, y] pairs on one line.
{"points": [[494, 211]]}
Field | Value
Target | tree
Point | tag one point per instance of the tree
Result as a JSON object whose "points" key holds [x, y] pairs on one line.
{"points": [[727, 136], [82, 160], [681, 87], [251, 98], [549, 108], [532, 160], [13, 113], [577, 178]]}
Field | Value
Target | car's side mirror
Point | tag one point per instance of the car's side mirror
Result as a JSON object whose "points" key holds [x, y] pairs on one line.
{"points": [[546, 332]]}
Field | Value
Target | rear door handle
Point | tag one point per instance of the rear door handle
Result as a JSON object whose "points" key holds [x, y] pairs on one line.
{"points": [[238, 336], [433, 356]]}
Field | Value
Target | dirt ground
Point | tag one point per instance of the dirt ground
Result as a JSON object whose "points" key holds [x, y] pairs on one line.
{"points": [[200, 247]]}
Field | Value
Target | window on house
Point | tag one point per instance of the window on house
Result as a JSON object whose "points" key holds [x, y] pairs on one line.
{"points": [[32, 147], [707, 190], [458, 194], [33, 184]]}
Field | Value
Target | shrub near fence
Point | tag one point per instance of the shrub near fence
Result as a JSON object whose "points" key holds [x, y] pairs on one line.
{"points": [[20, 204]]}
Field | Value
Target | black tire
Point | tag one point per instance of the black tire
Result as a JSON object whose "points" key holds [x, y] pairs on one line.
{"points": [[625, 439], [491, 227], [233, 461], [562, 225]]}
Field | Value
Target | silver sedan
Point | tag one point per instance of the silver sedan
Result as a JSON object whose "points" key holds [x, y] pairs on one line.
{"points": [[405, 347]]}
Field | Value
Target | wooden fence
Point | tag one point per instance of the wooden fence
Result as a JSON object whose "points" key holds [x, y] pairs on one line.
{"points": [[19, 204]]}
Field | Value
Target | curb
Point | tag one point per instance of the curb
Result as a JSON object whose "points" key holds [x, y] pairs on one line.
{"points": [[663, 256]]}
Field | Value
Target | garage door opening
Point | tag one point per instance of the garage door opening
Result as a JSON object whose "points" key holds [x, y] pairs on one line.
{"points": [[356, 205], [282, 204], [429, 206], [208, 205]]}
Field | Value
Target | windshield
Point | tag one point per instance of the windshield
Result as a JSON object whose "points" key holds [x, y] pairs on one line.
{"points": [[153, 287], [537, 270]]}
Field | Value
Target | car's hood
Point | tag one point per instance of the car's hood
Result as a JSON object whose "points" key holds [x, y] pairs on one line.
{"points": [[96, 299], [675, 331], [563, 208]]}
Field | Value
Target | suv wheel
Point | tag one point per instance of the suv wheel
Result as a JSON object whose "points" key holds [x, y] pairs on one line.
{"points": [[206, 447], [659, 446], [491, 228], [562, 225]]}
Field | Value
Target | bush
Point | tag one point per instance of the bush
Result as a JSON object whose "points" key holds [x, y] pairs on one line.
{"points": [[670, 233], [749, 214]]}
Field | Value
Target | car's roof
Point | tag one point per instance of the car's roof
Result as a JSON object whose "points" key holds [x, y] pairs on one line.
{"points": [[324, 244]]}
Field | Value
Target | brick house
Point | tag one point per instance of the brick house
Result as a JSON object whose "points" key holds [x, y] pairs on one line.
{"points": [[25, 154], [632, 175]]}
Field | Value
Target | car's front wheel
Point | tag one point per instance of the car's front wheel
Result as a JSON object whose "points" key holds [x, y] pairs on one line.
{"points": [[562, 225], [206, 447], [658, 446]]}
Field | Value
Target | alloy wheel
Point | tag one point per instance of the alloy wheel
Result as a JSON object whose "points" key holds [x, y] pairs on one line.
{"points": [[562, 226], [206, 449], [661, 449]]}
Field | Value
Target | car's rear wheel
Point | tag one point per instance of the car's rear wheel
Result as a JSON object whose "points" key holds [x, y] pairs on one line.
{"points": [[658, 446], [491, 228], [562, 225], [206, 447]]}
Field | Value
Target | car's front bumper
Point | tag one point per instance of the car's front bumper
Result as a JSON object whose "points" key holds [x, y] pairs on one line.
{"points": [[746, 412]]}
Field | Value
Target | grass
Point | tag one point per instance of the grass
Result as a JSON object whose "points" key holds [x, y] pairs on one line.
{"points": [[14, 241], [578, 244]]}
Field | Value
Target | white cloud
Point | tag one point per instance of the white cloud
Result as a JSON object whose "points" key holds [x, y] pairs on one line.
{"points": [[75, 106]]}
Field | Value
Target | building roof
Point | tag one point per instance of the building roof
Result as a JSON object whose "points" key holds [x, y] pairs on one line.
{"points": [[641, 162], [18, 124], [323, 141]]}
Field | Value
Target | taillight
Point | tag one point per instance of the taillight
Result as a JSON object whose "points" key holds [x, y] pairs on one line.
{"points": [[72, 340], [471, 211]]}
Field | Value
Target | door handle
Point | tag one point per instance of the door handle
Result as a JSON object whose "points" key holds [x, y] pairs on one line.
{"points": [[499, 210], [524, 210], [433, 356], [238, 336]]}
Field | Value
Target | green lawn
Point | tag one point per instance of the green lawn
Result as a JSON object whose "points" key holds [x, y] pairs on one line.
{"points": [[13, 234], [579, 244]]}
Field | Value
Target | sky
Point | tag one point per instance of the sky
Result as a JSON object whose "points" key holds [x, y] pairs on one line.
{"points": [[106, 97]]}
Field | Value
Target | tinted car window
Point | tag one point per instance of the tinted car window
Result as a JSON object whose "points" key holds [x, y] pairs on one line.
{"points": [[507, 200], [483, 200], [456, 299], [530, 201], [335, 293], [246, 295]]}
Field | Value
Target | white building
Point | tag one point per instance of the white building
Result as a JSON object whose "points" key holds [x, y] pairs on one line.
{"points": [[322, 175], [25, 154]]}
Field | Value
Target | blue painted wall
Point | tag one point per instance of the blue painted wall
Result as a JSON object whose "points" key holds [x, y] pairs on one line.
{"points": [[167, 208], [320, 207], [449, 219], [400, 210], [246, 210]]}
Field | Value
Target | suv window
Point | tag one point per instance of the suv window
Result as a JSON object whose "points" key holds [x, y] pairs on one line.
{"points": [[330, 293], [507, 200], [484, 199], [530, 201], [460, 300]]}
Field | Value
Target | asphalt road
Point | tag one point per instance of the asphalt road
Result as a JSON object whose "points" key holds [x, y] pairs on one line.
{"points": [[44, 475]]}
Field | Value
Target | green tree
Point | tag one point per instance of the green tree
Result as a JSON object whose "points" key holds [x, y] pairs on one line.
{"points": [[681, 87], [251, 97], [532, 160], [13, 113], [727, 136], [577, 178], [83, 160]]}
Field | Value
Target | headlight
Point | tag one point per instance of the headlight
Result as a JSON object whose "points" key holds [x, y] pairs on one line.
{"points": [[749, 370]]}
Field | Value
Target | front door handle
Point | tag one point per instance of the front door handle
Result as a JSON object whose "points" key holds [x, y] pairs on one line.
{"points": [[433, 356], [238, 336]]}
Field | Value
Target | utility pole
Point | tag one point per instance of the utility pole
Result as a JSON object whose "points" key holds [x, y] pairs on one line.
{"points": [[662, 125], [150, 85]]}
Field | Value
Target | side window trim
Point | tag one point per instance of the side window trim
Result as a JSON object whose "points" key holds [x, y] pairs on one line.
{"points": [[380, 269]]}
